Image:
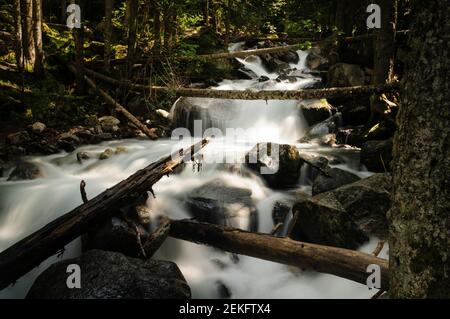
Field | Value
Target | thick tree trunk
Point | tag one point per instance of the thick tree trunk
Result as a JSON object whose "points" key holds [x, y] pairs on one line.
{"points": [[37, 34], [27, 34], [18, 35], [251, 95], [109, 7], [20, 258], [420, 216], [63, 12], [132, 8], [341, 262]]}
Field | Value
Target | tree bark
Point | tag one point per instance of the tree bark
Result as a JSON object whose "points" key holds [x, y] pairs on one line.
{"points": [[20, 258], [27, 34], [252, 95], [37, 34], [157, 27], [341, 262], [420, 220], [109, 7], [18, 35], [132, 6]]}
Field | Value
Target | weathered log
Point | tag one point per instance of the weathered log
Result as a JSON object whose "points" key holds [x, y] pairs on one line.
{"points": [[26, 254], [343, 263], [254, 95], [144, 129], [156, 239]]}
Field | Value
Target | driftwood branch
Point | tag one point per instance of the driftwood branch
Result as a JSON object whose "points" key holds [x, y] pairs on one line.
{"points": [[341, 262], [83, 191], [32, 250], [108, 99], [253, 95], [157, 238]]}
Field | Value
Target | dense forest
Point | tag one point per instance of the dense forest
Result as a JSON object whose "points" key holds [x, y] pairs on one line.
{"points": [[224, 149]]}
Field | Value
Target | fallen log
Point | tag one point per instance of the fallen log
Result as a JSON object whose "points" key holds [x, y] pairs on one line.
{"points": [[341, 262], [26, 254], [119, 108], [156, 239], [254, 95]]}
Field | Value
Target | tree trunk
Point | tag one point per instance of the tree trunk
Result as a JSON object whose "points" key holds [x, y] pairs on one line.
{"points": [[63, 13], [18, 35], [79, 59], [157, 27], [420, 216], [23, 256], [341, 262], [251, 95], [227, 23], [109, 7], [132, 8], [27, 34], [37, 34], [167, 22]]}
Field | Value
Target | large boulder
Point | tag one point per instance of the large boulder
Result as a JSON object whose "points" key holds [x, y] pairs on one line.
{"points": [[217, 203], [323, 220], [377, 155], [315, 111], [346, 216], [25, 171], [315, 61], [278, 164], [111, 275], [38, 127], [288, 56], [337, 178], [343, 75]]}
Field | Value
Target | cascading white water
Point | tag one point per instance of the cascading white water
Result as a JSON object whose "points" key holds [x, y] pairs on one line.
{"points": [[25, 206]]}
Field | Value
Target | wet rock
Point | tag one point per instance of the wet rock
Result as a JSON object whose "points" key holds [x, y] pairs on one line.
{"points": [[18, 138], [377, 155], [280, 212], [274, 64], [117, 235], [120, 150], [367, 201], [223, 290], [109, 124], [105, 136], [68, 142], [106, 154], [316, 62], [278, 164], [111, 275], [247, 74], [38, 127], [341, 215], [251, 42], [353, 135], [343, 75], [288, 56], [315, 111], [218, 203], [24, 171], [82, 156], [329, 126], [263, 78], [337, 178], [323, 220]]}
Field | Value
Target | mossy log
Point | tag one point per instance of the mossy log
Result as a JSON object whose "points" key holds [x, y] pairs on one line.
{"points": [[253, 95], [341, 262]]}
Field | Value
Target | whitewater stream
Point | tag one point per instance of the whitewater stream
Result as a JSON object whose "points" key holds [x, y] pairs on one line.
{"points": [[25, 206]]}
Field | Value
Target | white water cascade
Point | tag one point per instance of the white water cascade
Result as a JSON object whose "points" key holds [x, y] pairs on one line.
{"points": [[25, 206]]}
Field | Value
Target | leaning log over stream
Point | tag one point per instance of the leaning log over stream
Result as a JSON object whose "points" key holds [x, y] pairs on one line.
{"points": [[28, 253], [254, 95], [341, 262], [117, 107]]}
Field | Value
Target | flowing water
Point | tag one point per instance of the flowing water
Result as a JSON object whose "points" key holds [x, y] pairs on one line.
{"points": [[25, 206]]}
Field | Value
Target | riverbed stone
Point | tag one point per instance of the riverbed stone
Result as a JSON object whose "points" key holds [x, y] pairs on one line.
{"points": [[112, 275], [109, 124], [278, 164], [315, 111], [25, 171], [218, 203], [377, 155], [337, 178]]}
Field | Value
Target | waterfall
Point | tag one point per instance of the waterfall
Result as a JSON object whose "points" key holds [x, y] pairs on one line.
{"points": [[25, 206]]}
